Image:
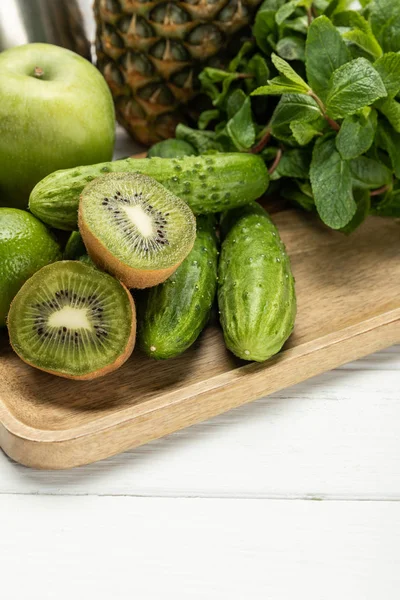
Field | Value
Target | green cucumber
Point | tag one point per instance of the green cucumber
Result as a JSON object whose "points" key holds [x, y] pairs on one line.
{"points": [[256, 293], [209, 184], [85, 258], [74, 247], [173, 314], [171, 149]]}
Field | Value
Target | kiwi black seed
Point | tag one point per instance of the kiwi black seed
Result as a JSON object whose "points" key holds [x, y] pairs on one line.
{"points": [[135, 228], [74, 321]]}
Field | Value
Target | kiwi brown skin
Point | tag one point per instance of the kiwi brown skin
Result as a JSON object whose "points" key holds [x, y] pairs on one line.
{"points": [[121, 359], [132, 278]]}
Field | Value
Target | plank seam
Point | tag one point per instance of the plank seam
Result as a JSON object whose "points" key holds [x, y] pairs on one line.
{"points": [[293, 498]]}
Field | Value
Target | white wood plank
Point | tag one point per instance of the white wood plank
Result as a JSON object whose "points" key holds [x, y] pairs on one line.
{"points": [[335, 436], [120, 548]]}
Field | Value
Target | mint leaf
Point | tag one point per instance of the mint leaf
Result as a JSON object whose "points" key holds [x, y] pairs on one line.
{"points": [[304, 132], [363, 44], [278, 86], [384, 16], [352, 87], [325, 52], [286, 11], [391, 109], [258, 67], [295, 107], [234, 102], [306, 3], [363, 201], [368, 173], [203, 141], [291, 48], [389, 206], [294, 163], [288, 8], [240, 56], [388, 67], [241, 128], [285, 69], [360, 38], [356, 135], [207, 116], [226, 84], [331, 183], [389, 140], [272, 4], [329, 7], [269, 153], [337, 6], [283, 133], [299, 192], [265, 29], [300, 24], [209, 77], [351, 18], [216, 75]]}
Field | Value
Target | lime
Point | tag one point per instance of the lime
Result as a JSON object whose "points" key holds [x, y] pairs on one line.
{"points": [[26, 245]]}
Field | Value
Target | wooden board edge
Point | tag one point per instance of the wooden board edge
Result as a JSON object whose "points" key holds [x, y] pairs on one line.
{"points": [[38, 449]]}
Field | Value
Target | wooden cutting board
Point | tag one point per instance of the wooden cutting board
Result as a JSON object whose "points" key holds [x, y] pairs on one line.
{"points": [[348, 292]]}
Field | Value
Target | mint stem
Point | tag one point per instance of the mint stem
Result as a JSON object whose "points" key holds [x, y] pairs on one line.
{"points": [[310, 16], [335, 126], [262, 142], [276, 162], [244, 76], [380, 190]]}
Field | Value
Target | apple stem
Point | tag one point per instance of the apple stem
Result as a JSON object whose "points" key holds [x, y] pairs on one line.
{"points": [[38, 72]]}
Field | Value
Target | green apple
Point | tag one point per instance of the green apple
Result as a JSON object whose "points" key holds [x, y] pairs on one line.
{"points": [[56, 112]]}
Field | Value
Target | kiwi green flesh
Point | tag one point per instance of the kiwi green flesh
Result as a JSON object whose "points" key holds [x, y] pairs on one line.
{"points": [[137, 220], [70, 319]]}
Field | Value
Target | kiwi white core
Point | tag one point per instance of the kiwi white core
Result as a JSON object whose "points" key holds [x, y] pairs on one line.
{"points": [[68, 316], [141, 219]]}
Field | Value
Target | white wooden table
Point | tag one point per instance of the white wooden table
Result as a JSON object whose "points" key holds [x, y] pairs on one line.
{"points": [[295, 496]]}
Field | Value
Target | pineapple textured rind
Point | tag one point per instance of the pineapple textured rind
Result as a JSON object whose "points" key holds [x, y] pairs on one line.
{"points": [[151, 52]]}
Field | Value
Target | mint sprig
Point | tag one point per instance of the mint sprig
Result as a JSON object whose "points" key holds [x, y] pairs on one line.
{"points": [[315, 92]]}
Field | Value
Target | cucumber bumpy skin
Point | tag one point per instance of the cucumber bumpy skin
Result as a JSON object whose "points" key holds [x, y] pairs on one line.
{"points": [[209, 184], [174, 313], [74, 247], [256, 293]]}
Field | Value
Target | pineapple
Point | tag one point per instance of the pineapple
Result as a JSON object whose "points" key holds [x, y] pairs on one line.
{"points": [[151, 51]]}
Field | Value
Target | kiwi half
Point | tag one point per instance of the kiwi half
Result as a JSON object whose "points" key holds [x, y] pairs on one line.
{"points": [[73, 321], [135, 228]]}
